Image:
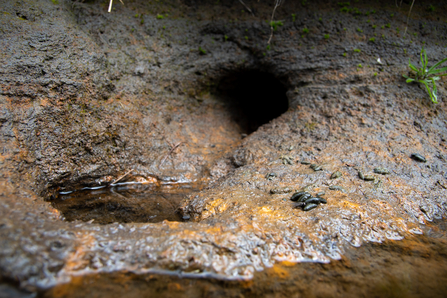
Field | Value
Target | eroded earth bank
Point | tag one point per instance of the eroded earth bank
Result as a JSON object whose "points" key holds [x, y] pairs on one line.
{"points": [[154, 150]]}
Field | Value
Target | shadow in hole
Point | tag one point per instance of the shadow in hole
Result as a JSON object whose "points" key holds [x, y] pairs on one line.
{"points": [[253, 98]]}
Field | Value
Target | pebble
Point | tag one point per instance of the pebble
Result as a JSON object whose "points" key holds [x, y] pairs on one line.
{"points": [[304, 162], [336, 175], [418, 157]]}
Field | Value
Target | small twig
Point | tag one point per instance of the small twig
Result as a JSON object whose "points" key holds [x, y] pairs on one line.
{"points": [[170, 152], [277, 4], [248, 8], [110, 4], [408, 17], [120, 178]]}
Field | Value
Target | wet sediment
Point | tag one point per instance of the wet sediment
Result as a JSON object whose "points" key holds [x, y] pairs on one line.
{"points": [[92, 96]]}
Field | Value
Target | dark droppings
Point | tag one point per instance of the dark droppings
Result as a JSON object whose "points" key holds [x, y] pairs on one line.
{"points": [[336, 175], [298, 195], [306, 201], [320, 194], [280, 190], [382, 171], [313, 201], [125, 203], [316, 167], [309, 207], [270, 176], [418, 157], [337, 187]]}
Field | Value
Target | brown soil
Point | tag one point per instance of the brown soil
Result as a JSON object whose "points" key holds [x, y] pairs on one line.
{"points": [[189, 92]]}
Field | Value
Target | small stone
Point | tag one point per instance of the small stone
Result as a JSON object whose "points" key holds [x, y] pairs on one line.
{"points": [[382, 171], [361, 176], [336, 175], [418, 157], [305, 162], [186, 217]]}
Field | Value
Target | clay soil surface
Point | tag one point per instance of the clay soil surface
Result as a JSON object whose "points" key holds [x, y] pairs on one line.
{"points": [[188, 134]]}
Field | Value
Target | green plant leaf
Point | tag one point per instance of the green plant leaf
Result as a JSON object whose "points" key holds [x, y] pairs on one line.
{"points": [[439, 63], [434, 71], [432, 97], [412, 67], [410, 80]]}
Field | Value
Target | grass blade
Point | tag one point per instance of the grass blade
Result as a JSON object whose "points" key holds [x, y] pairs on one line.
{"points": [[444, 69], [439, 63], [412, 67]]}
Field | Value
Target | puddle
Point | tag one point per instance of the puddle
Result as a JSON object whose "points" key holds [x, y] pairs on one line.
{"points": [[125, 203]]}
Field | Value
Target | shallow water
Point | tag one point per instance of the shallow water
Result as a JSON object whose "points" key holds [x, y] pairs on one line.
{"points": [[125, 203]]}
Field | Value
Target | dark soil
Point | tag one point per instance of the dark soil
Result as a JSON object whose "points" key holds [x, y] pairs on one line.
{"points": [[180, 91]]}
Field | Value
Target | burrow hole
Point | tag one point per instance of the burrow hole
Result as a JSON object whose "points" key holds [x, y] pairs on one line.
{"points": [[253, 97]]}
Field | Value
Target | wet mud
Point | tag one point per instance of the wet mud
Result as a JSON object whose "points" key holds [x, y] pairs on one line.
{"points": [[174, 93]]}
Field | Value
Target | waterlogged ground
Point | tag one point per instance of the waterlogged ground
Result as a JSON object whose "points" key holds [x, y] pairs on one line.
{"points": [[153, 92]]}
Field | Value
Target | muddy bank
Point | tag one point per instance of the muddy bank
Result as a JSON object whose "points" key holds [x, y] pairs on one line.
{"points": [[182, 92]]}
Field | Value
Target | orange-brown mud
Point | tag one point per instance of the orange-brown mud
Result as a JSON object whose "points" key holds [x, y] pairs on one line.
{"points": [[187, 92]]}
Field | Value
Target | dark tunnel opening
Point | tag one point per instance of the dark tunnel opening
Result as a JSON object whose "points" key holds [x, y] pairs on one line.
{"points": [[253, 97]]}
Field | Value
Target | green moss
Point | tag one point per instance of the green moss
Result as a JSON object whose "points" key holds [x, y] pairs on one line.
{"points": [[357, 50], [305, 30], [160, 16], [326, 36]]}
